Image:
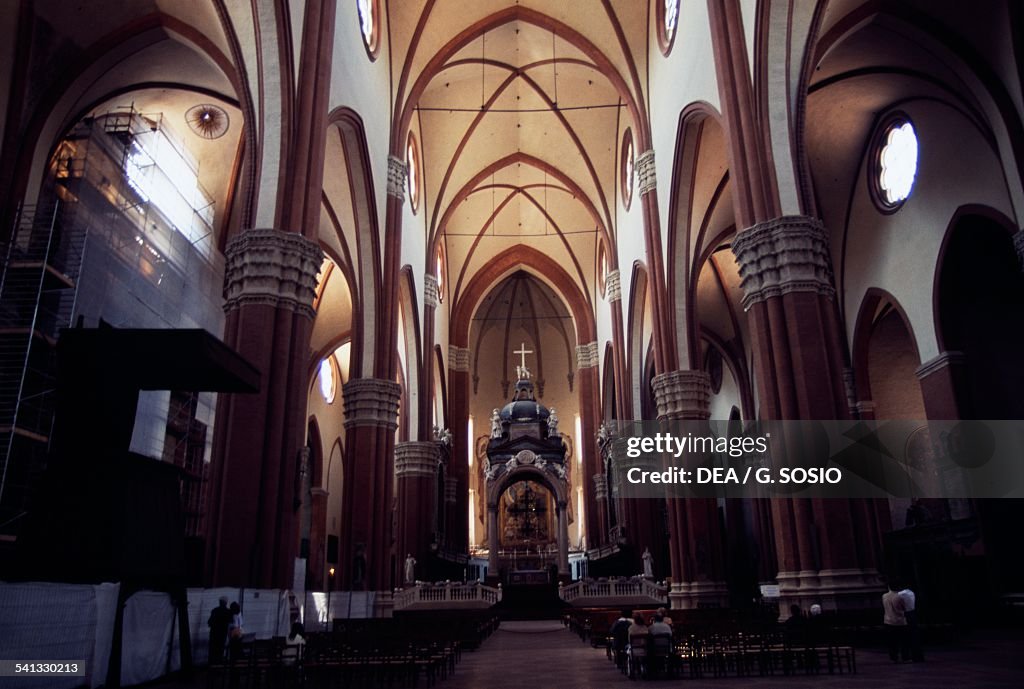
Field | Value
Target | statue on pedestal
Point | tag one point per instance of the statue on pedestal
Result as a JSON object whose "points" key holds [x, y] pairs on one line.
{"points": [[495, 424]]}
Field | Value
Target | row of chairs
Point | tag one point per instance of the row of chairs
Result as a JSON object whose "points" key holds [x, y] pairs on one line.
{"points": [[364, 653], [730, 655]]}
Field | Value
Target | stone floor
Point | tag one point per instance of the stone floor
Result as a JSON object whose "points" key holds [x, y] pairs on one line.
{"points": [[544, 654]]}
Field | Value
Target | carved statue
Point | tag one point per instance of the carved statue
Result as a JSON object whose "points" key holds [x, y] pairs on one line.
{"points": [[495, 424], [603, 435], [442, 435], [553, 424], [410, 569], [648, 563]]}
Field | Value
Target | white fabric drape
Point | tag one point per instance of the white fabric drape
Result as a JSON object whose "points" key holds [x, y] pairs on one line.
{"points": [[43, 621]]}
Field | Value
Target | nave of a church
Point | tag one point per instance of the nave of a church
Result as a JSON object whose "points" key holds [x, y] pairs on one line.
{"points": [[334, 333]]}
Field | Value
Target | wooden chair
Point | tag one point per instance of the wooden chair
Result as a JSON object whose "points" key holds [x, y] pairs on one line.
{"points": [[636, 655]]}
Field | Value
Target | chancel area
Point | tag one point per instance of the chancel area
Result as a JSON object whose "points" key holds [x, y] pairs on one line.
{"points": [[341, 310]]}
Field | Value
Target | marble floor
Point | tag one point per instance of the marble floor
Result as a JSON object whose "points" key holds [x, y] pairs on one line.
{"points": [[544, 654]]}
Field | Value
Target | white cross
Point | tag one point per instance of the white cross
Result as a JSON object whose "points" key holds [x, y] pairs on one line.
{"points": [[522, 352]]}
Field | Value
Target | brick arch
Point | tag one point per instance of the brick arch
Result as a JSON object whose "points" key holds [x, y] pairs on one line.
{"points": [[543, 266]]}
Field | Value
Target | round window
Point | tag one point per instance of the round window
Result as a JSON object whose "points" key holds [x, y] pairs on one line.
{"points": [[368, 20], [328, 379], [668, 20], [895, 163]]}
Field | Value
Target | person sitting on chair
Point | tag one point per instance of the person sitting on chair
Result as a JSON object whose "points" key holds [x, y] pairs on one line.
{"points": [[639, 635], [660, 645], [620, 637]]}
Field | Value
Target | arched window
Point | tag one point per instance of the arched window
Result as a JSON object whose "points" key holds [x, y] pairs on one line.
{"points": [[439, 273], [895, 163], [668, 20], [412, 159], [628, 164], [369, 15]]}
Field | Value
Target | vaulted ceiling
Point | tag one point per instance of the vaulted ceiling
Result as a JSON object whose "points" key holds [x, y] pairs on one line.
{"points": [[520, 110]]}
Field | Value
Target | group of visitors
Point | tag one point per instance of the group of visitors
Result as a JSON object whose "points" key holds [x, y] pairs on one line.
{"points": [[226, 630], [631, 636], [226, 633], [899, 605]]}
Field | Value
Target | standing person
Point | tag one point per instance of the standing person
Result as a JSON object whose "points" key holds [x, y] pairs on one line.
{"points": [[909, 600], [220, 619], [235, 630], [895, 622]]}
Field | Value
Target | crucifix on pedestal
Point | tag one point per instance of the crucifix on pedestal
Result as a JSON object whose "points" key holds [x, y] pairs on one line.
{"points": [[522, 373]]}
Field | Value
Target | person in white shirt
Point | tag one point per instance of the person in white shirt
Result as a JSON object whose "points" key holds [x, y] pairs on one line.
{"points": [[895, 622]]}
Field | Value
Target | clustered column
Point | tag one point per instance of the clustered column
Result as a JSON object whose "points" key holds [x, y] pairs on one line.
{"points": [[586, 376], [458, 466], [371, 417], [827, 550], [695, 543], [416, 467], [270, 280]]}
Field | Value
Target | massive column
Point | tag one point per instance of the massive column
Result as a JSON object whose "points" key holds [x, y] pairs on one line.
{"points": [[493, 575], [563, 540], [587, 360], [696, 546], [828, 550], [371, 417], [270, 277], [458, 467], [416, 467]]}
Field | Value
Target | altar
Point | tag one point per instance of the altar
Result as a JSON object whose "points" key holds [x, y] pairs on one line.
{"points": [[529, 576], [527, 489]]}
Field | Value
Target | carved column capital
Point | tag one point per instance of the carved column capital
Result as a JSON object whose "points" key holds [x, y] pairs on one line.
{"points": [[430, 292], [613, 285], [398, 172], [600, 486], [458, 358], [783, 255], [646, 176], [271, 268], [683, 395], [416, 459], [371, 402], [587, 355]]}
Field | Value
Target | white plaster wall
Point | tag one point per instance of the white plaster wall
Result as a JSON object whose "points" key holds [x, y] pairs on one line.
{"points": [[363, 85], [685, 76], [899, 252]]}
